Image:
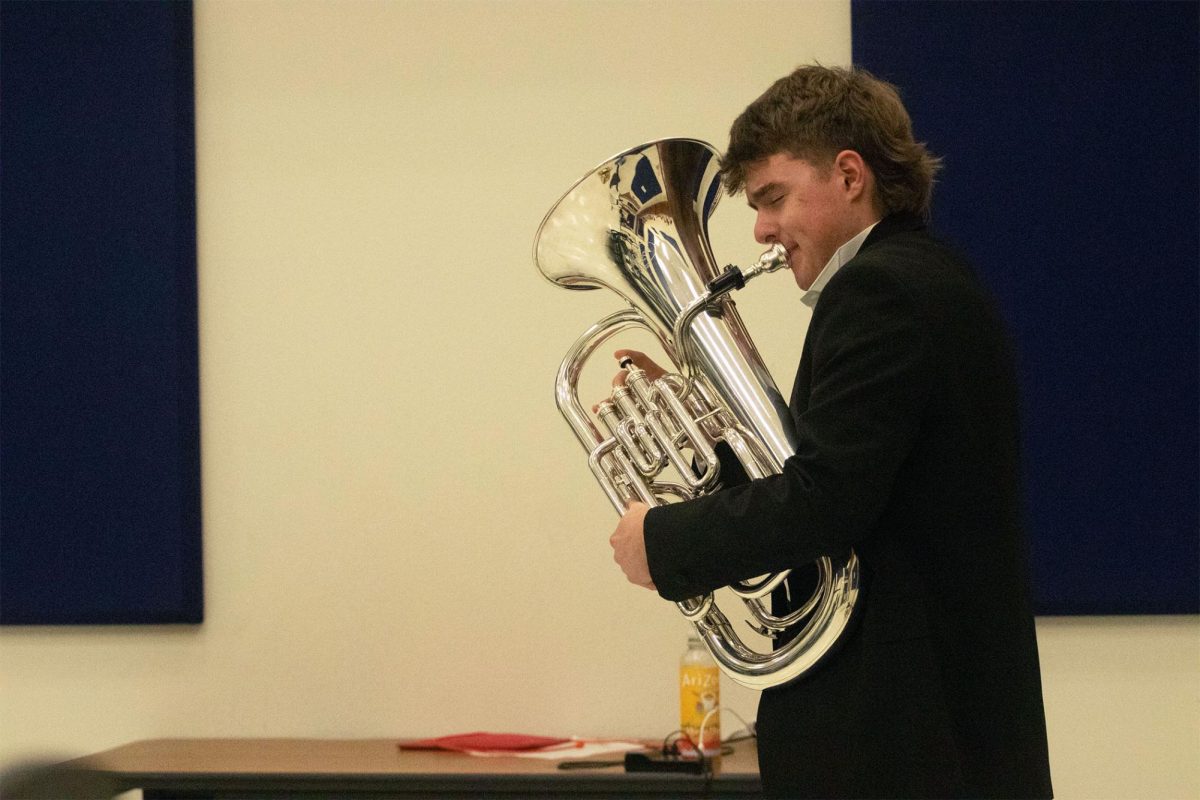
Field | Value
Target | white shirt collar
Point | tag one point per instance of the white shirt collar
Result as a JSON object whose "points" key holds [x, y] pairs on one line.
{"points": [[843, 254]]}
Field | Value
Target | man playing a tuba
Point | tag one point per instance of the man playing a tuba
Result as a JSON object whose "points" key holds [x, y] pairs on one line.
{"points": [[905, 411]]}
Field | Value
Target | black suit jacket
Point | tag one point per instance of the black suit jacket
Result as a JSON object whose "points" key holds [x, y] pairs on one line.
{"points": [[905, 407]]}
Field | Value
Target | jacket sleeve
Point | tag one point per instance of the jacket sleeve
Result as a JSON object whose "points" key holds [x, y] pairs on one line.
{"points": [[870, 361]]}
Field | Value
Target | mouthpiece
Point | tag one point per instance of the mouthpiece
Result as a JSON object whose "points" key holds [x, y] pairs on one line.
{"points": [[774, 258]]}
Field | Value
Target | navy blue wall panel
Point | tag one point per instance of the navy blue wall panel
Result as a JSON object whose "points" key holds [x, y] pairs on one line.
{"points": [[1070, 134], [99, 424]]}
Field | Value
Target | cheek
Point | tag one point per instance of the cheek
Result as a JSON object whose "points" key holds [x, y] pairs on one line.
{"points": [[823, 227], [793, 222]]}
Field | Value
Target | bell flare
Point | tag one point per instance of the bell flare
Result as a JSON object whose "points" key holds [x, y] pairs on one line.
{"points": [[637, 224]]}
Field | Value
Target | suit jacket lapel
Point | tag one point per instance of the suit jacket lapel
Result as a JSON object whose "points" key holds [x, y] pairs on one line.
{"points": [[888, 226]]}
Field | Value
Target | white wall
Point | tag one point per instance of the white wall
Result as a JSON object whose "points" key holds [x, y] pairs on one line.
{"points": [[401, 536]]}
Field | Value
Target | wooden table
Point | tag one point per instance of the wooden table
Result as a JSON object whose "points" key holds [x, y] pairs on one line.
{"points": [[378, 768]]}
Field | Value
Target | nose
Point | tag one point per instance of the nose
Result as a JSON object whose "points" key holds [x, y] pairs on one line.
{"points": [[765, 229]]}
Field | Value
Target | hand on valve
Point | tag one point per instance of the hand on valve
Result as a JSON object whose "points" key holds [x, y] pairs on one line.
{"points": [[642, 361]]}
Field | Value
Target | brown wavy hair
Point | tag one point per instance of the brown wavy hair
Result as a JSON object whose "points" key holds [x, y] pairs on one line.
{"points": [[815, 113]]}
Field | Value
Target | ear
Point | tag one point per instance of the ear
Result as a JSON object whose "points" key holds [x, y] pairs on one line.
{"points": [[852, 173]]}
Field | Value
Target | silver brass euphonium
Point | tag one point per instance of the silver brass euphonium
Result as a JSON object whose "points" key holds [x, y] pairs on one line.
{"points": [[638, 225]]}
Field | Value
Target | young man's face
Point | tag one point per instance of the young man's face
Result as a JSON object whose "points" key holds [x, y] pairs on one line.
{"points": [[809, 209]]}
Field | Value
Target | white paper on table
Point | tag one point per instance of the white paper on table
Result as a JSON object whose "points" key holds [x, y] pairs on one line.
{"points": [[577, 749]]}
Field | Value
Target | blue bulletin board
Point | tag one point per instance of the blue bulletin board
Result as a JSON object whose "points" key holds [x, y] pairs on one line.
{"points": [[1070, 133], [99, 413]]}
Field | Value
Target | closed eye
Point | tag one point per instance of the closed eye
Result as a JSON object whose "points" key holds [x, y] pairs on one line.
{"points": [[766, 195]]}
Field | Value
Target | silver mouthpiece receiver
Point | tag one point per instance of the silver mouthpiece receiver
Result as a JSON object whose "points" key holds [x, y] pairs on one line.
{"points": [[735, 277]]}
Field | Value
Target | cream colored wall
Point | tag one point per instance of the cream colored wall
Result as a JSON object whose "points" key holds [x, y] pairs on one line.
{"points": [[401, 536]]}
